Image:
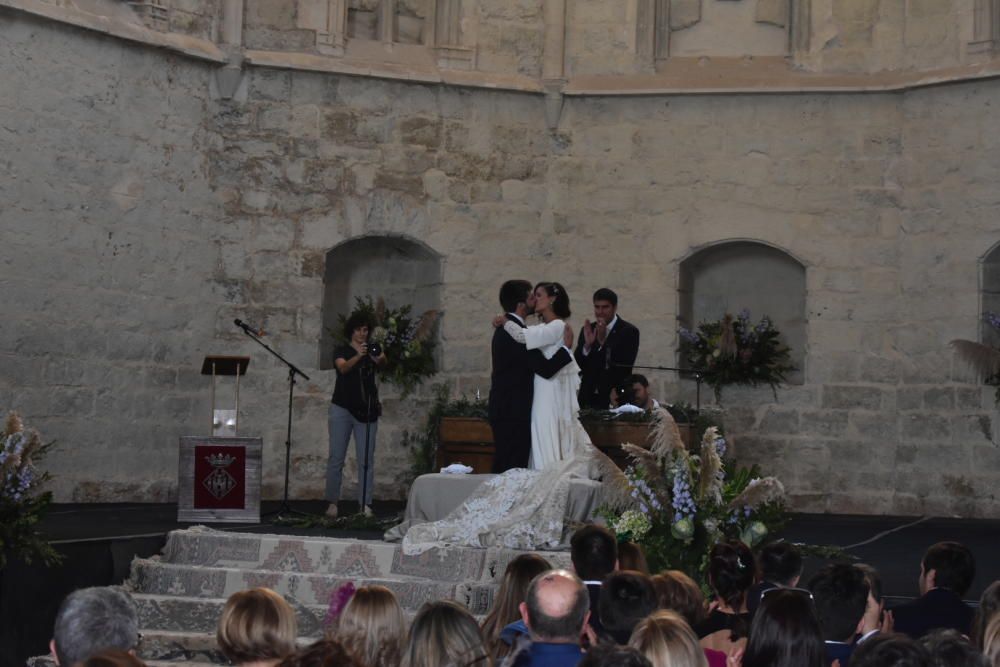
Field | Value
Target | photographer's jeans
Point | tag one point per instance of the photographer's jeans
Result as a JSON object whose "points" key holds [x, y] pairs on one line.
{"points": [[342, 424]]}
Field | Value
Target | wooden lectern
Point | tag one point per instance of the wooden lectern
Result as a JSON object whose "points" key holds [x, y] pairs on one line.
{"points": [[219, 476]]}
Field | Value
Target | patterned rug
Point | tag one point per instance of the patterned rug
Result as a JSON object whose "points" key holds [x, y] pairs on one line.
{"points": [[180, 594]]}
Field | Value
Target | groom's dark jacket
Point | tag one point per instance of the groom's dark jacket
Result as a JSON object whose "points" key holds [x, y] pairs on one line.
{"points": [[512, 387]]}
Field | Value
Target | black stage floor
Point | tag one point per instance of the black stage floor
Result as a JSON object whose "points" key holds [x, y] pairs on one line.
{"points": [[99, 542]]}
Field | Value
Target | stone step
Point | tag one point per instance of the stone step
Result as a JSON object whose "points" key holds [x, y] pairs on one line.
{"points": [[155, 577], [193, 614], [339, 556]]}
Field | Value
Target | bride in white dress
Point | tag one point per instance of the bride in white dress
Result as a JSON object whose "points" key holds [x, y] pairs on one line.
{"points": [[525, 508], [556, 432]]}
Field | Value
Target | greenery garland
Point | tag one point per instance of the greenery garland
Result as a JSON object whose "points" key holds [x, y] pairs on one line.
{"points": [[732, 350], [22, 504], [407, 341]]}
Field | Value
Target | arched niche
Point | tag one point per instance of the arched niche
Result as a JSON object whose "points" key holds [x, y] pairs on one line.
{"points": [[400, 270], [730, 276], [990, 294]]}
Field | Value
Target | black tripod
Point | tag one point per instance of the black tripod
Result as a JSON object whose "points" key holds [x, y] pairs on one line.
{"points": [[285, 508], [369, 390]]}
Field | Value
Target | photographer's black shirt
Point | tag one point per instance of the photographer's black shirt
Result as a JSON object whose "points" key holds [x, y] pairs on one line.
{"points": [[354, 387]]}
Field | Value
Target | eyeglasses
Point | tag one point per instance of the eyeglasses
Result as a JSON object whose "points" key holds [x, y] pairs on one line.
{"points": [[801, 591]]}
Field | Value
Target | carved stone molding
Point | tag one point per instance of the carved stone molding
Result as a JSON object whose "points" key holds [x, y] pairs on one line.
{"points": [[985, 26]]}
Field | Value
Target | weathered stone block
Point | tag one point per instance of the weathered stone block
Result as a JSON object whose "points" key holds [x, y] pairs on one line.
{"points": [[779, 421], [838, 397], [421, 131], [926, 427], [823, 423]]}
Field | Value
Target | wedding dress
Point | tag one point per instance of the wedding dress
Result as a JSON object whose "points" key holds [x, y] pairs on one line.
{"points": [[524, 508]]}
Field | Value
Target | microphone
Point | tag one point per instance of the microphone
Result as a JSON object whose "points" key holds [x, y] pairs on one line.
{"points": [[249, 328]]}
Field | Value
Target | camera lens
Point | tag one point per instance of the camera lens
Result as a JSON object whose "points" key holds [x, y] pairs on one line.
{"points": [[374, 349]]}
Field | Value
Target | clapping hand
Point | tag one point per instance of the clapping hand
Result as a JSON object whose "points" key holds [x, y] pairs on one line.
{"points": [[568, 336], [589, 336], [601, 331]]}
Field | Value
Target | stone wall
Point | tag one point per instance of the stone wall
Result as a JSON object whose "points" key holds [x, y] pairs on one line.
{"points": [[143, 217]]}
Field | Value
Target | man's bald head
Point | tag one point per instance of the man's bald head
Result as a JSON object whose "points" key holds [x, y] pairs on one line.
{"points": [[556, 607]]}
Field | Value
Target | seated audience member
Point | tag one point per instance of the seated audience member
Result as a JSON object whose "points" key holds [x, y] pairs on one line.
{"points": [[640, 393], [991, 641], [555, 610], [324, 653], [626, 598], [840, 593], [950, 649], [785, 632], [112, 657], [372, 627], [632, 557], [666, 639], [731, 573], [946, 572], [445, 633], [594, 552], [256, 626], [780, 566], [613, 655], [90, 620], [874, 610], [507, 602], [678, 592], [989, 605], [891, 649]]}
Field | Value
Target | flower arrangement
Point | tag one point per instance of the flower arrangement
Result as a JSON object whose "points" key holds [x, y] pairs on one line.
{"points": [[982, 358], [407, 341], [677, 504], [22, 505], [732, 350]]}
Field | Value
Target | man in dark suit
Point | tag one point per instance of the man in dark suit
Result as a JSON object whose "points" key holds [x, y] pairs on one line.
{"points": [[946, 572], [605, 351], [513, 378], [594, 552], [840, 597]]}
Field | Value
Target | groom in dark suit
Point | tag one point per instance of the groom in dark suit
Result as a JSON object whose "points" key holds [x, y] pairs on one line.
{"points": [[606, 351], [513, 378]]}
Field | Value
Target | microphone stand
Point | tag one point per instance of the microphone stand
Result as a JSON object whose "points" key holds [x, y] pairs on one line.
{"points": [[293, 370], [697, 373], [367, 373]]}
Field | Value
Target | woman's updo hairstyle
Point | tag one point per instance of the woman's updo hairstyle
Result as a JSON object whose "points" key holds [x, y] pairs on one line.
{"points": [[560, 299], [731, 573]]}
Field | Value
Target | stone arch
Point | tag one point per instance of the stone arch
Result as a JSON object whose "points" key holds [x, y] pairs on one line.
{"points": [[731, 275], [398, 268], [989, 293]]}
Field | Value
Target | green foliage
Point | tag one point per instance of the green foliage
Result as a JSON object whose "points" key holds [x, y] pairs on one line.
{"points": [[423, 445], [22, 504], [733, 351], [681, 503], [407, 341]]}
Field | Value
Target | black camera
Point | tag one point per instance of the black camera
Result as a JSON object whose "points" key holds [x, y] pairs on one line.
{"points": [[374, 349]]}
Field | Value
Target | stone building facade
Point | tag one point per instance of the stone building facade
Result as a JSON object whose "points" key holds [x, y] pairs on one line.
{"points": [[168, 166]]}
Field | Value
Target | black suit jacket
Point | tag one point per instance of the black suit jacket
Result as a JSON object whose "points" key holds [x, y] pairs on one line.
{"points": [[607, 365], [938, 608], [512, 383]]}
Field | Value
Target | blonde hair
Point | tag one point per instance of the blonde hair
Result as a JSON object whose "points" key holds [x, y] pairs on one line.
{"points": [[991, 641], [679, 592], [512, 592], [256, 624], [444, 633], [372, 627], [668, 641]]}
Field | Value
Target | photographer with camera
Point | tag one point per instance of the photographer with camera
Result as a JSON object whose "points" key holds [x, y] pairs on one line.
{"points": [[354, 408]]}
